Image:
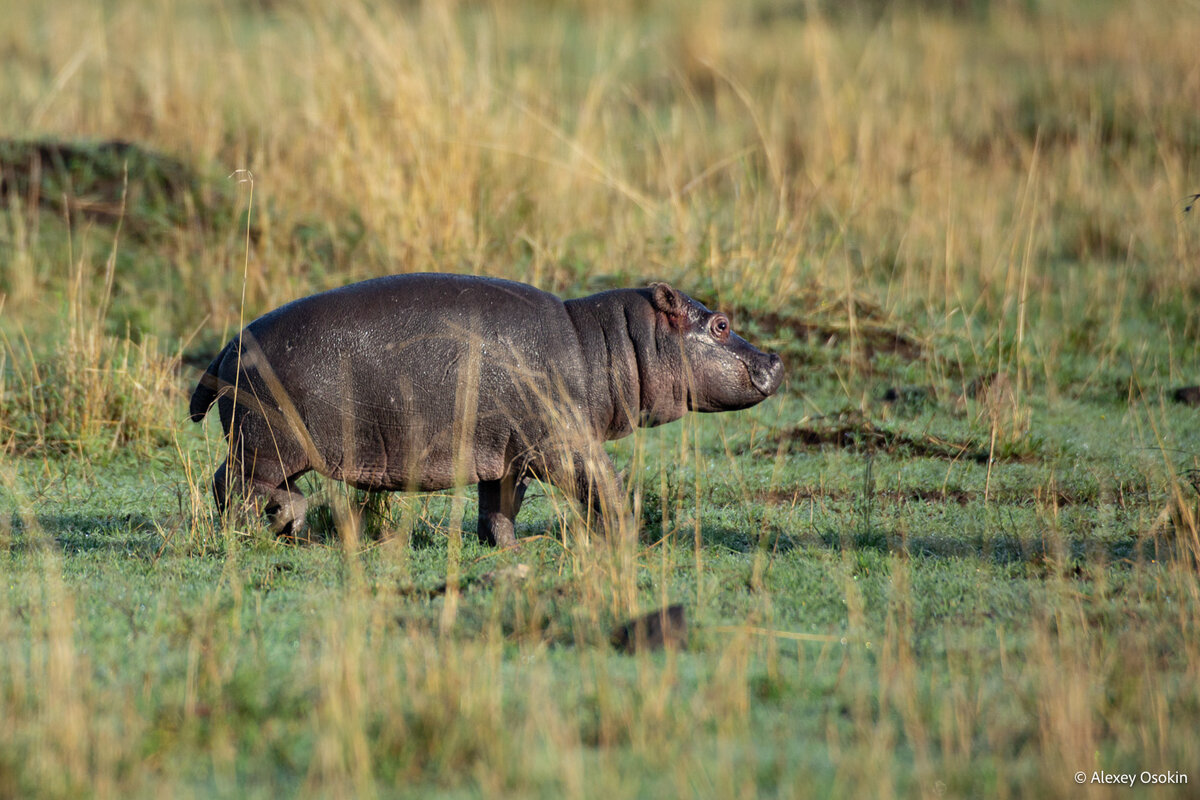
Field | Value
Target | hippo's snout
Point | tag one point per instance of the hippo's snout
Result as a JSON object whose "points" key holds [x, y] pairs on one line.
{"points": [[767, 374]]}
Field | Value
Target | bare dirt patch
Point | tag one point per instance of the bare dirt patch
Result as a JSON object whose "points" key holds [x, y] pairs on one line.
{"points": [[851, 430], [107, 180], [872, 338]]}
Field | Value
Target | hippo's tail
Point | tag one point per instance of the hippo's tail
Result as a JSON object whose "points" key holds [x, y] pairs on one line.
{"points": [[206, 389]]}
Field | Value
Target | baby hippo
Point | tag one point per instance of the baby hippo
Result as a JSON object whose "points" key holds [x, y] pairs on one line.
{"points": [[423, 382]]}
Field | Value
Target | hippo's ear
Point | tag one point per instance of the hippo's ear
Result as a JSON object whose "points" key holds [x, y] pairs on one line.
{"points": [[667, 300]]}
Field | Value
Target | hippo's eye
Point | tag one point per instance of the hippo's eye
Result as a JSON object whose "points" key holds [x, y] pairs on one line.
{"points": [[719, 327]]}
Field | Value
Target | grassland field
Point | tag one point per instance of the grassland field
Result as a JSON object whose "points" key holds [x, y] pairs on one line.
{"points": [[956, 556]]}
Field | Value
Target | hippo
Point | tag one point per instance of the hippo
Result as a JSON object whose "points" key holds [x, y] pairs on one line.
{"points": [[426, 381]]}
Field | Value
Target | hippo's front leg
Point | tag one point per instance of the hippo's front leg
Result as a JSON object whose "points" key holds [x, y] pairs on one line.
{"points": [[597, 486], [499, 502]]}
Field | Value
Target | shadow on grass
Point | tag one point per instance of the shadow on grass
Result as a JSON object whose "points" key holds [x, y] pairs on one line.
{"points": [[138, 535], [1072, 554], [131, 534]]}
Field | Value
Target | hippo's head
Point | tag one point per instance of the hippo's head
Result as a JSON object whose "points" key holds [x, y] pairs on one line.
{"points": [[722, 371]]}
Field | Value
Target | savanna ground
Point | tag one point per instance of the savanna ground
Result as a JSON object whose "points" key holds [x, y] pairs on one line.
{"points": [[956, 556]]}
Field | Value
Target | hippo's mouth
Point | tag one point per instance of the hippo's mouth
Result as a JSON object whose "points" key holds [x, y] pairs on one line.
{"points": [[766, 377], [760, 386]]}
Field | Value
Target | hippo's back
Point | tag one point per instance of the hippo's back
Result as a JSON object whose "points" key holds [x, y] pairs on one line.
{"points": [[395, 306], [381, 372]]}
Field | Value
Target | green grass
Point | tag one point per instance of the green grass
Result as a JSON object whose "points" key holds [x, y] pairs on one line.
{"points": [[242, 665], [977, 587]]}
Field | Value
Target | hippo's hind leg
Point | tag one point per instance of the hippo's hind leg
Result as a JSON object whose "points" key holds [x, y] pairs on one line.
{"points": [[499, 502], [286, 506], [220, 487], [265, 458], [249, 491]]}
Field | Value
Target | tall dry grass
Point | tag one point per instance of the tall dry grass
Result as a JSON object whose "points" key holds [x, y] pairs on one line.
{"points": [[89, 390], [946, 169], [946, 164]]}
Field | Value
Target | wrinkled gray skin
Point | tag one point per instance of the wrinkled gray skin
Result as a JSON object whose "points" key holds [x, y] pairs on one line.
{"points": [[426, 381]]}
